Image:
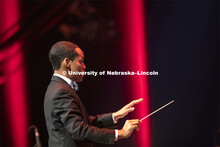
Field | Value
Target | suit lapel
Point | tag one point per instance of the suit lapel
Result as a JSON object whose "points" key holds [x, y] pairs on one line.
{"points": [[82, 108]]}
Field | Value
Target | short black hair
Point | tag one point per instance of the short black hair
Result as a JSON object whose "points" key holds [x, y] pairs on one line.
{"points": [[60, 51]]}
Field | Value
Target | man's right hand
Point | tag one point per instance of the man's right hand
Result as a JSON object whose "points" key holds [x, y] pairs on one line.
{"points": [[128, 128]]}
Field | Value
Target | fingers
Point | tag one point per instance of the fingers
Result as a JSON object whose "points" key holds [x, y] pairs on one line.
{"points": [[135, 124], [136, 127], [126, 109], [129, 110], [130, 126], [134, 121], [134, 102]]}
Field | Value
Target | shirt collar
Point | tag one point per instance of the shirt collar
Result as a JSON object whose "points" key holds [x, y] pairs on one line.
{"points": [[69, 81], [72, 84]]}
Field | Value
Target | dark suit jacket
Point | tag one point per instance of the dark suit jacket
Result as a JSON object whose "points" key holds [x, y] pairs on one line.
{"points": [[67, 121]]}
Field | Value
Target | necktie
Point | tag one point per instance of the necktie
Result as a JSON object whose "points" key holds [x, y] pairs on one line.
{"points": [[75, 86]]}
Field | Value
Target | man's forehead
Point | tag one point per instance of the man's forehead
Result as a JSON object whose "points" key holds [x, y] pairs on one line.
{"points": [[80, 52]]}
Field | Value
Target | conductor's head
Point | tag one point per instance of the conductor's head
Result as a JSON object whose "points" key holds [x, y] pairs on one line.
{"points": [[67, 58]]}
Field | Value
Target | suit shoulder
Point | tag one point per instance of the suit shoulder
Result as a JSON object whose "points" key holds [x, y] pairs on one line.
{"points": [[58, 87]]}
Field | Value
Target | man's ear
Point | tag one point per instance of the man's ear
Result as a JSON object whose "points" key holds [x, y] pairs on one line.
{"points": [[66, 62]]}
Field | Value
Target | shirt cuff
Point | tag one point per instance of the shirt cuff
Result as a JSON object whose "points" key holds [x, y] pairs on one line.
{"points": [[114, 119], [116, 135]]}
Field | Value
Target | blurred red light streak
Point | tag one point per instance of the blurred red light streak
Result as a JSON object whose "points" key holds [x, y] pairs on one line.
{"points": [[13, 80], [130, 15]]}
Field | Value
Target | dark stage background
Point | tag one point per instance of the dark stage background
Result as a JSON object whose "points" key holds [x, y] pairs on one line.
{"points": [[183, 48]]}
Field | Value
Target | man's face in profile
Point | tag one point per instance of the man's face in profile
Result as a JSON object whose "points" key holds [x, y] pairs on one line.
{"points": [[78, 65]]}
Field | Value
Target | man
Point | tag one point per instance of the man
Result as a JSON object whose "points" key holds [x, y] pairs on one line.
{"points": [[67, 121]]}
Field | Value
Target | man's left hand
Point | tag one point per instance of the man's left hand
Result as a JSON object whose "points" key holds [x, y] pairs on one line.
{"points": [[126, 109]]}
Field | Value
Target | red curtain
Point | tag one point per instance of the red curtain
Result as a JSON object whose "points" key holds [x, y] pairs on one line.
{"points": [[13, 78]]}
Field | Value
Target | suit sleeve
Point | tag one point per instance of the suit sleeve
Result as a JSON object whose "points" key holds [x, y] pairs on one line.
{"points": [[103, 121], [67, 112]]}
